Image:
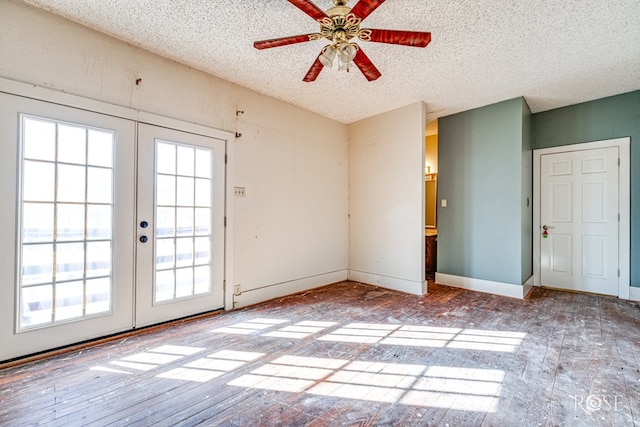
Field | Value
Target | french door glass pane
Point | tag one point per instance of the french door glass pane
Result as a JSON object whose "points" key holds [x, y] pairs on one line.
{"points": [[37, 263], [99, 222], [183, 221], [100, 148], [166, 190], [185, 163], [99, 181], [98, 259], [70, 222], [39, 139], [71, 183], [185, 191], [72, 144], [166, 158], [66, 222], [166, 221], [37, 305], [98, 296], [37, 222], [38, 181], [69, 300]]}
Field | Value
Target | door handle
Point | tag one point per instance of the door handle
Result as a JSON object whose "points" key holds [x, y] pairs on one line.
{"points": [[144, 239]]}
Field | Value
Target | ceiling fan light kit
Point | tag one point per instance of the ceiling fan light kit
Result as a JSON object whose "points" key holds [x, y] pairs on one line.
{"points": [[340, 24]]}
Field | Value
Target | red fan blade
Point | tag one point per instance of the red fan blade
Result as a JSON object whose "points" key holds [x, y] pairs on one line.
{"points": [[314, 71], [406, 38], [283, 41], [366, 66], [363, 8], [309, 8]]}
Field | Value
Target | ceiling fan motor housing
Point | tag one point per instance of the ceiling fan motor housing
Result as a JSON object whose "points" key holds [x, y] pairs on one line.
{"points": [[340, 28]]}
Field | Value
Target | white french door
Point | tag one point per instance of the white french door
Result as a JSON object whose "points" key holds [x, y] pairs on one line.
{"points": [[110, 225], [67, 261], [580, 220], [180, 224]]}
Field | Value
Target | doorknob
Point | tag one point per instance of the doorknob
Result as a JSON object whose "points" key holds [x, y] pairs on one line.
{"points": [[144, 239], [144, 224]]}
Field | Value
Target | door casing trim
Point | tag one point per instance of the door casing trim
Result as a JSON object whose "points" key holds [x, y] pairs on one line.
{"points": [[624, 206]]}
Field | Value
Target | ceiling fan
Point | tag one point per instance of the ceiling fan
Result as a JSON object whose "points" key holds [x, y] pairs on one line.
{"points": [[340, 24]]}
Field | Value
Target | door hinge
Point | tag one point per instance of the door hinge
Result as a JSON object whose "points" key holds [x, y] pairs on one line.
{"points": [[225, 221], [618, 272], [226, 159]]}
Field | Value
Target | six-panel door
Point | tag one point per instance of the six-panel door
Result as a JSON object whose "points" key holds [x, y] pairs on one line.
{"points": [[579, 220]]}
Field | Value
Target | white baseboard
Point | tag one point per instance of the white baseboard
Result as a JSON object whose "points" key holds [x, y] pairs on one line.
{"points": [[488, 286], [402, 285], [254, 296], [634, 293]]}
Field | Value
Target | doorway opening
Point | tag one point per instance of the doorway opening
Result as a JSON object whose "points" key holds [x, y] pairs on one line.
{"points": [[431, 200]]}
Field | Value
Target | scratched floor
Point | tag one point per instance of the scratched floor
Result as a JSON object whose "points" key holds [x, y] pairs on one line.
{"points": [[351, 354]]}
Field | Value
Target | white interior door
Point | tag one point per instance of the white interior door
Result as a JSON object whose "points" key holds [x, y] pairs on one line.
{"points": [[67, 261], [180, 224], [579, 218]]}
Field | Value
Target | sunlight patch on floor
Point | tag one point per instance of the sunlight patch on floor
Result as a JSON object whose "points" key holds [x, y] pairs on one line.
{"points": [[460, 388], [360, 333], [250, 326], [212, 366], [151, 359], [419, 385], [427, 336], [300, 329]]}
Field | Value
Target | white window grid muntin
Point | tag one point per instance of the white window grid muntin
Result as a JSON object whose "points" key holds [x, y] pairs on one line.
{"points": [[53, 282], [174, 269]]}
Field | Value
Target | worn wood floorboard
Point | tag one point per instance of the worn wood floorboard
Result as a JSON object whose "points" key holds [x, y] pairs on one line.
{"points": [[354, 355]]}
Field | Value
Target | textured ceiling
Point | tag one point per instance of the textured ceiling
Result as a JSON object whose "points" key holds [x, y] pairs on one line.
{"points": [[552, 52]]}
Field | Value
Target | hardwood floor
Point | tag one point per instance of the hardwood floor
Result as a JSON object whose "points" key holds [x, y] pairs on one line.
{"points": [[355, 355]]}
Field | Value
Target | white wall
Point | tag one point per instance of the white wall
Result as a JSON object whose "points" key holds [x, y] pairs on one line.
{"points": [[290, 232], [386, 178]]}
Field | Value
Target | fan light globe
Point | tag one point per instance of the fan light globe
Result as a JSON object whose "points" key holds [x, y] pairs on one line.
{"points": [[348, 52], [328, 56]]}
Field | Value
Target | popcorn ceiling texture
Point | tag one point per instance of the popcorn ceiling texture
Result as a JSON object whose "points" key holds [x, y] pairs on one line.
{"points": [[552, 52]]}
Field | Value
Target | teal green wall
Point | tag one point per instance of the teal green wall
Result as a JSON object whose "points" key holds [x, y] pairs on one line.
{"points": [[612, 117], [484, 161]]}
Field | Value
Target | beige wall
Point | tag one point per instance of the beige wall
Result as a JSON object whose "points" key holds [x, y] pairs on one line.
{"points": [[386, 210], [290, 231]]}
